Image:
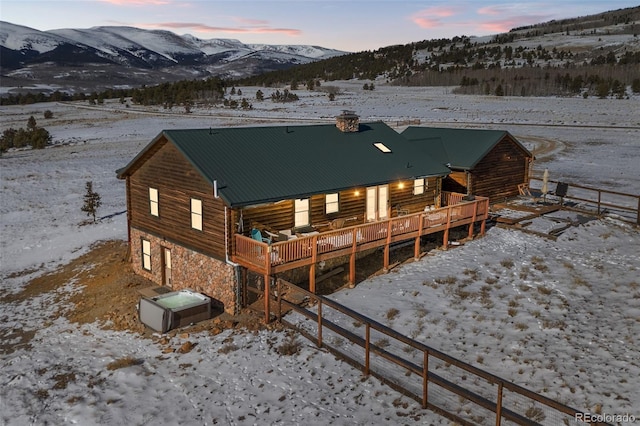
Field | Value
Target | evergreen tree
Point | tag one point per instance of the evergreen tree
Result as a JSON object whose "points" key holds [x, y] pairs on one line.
{"points": [[31, 123], [92, 201]]}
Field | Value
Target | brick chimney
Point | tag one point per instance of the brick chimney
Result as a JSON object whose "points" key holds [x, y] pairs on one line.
{"points": [[348, 122]]}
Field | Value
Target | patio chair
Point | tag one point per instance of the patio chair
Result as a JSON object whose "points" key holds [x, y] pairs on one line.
{"points": [[257, 235]]}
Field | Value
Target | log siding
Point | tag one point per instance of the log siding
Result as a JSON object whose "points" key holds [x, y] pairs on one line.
{"points": [[280, 216], [177, 183], [498, 174]]}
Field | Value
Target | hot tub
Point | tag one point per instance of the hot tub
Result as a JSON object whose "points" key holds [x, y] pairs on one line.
{"points": [[175, 309]]}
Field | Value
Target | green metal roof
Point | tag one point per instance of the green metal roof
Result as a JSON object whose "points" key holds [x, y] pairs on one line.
{"points": [[254, 165], [457, 148]]}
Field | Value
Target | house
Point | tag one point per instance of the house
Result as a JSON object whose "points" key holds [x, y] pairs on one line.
{"points": [[488, 163], [204, 206]]}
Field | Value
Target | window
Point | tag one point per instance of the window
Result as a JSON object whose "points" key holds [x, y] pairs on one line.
{"points": [[331, 203], [301, 212], [418, 186], [153, 201], [196, 214], [146, 255]]}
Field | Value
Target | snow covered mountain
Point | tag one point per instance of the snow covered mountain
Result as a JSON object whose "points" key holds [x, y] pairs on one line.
{"points": [[26, 50]]}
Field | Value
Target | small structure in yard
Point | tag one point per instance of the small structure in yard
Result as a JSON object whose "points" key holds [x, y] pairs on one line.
{"points": [[204, 206], [488, 163]]}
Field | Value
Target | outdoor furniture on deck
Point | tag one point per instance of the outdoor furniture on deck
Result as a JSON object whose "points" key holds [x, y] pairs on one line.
{"points": [[257, 235]]}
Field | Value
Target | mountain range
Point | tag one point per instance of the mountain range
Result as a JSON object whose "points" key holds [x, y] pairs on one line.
{"points": [[87, 54]]}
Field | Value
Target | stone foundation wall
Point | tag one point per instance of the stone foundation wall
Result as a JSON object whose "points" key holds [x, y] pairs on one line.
{"points": [[189, 269]]}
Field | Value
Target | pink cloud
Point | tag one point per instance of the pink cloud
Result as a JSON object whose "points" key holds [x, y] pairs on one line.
{"points": [[203, 28], [428, 18], [137, 2], [492, 10]]}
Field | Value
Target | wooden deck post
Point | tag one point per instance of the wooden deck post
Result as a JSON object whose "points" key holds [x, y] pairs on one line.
{"points": [[312, 267], [267, 285], [267, 296], [473, 220], [416, 248], [385, 267], [352, 258], [484, 217], [445, 239]]}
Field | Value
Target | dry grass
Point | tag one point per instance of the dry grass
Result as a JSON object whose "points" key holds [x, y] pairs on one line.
{"points": [[544, 290], [580, 282], [392, 314], [471, 273], [507, 263], [446, 280], [521, 326], [421, 312], [538, 264], [125, 362], [290, 346], [229, 347], [535, 413], [382, 343]]}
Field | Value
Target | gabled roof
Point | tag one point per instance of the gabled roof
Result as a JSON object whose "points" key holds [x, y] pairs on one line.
{"points": [[253, 165], [458, 148]]}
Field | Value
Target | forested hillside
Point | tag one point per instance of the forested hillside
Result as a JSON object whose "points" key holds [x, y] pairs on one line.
{"points": [[597, 55]]}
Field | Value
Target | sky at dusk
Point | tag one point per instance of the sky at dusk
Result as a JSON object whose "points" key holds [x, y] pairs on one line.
{"points": [[350, 25]]}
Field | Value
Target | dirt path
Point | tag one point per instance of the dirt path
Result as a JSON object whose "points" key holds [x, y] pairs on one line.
{"points": [[108, 294], [544, 147]]}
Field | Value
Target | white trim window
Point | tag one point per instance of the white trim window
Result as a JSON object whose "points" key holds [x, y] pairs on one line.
{"points": [[331, 203], [146, 254], [301, 212], [196, 214], [418, 186], [153, 201]]}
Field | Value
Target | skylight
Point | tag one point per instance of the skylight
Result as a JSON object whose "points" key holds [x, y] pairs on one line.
{"points": [[382, 147]]}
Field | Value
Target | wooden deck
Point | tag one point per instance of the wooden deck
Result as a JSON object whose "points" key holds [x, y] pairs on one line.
{"points": [[268, 259]]}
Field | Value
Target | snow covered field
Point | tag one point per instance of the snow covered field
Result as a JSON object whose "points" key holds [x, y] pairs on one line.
{"points": [[561, 318]]}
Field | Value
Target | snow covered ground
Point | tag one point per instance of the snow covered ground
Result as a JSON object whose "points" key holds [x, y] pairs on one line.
{"points": [[561, 318]]}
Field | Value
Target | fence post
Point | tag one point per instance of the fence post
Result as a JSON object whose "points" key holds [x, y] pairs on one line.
{"points": [[499, 405], [367, 349], [319, 322], [638, 212], [599, 200], [425, 380]]}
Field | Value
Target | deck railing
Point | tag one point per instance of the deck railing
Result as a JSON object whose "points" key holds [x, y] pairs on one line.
{"points": [[369, 235], [625, 205]]}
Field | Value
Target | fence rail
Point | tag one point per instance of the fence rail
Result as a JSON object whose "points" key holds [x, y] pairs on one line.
{"points": [[444, 384], [626, 205]]}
